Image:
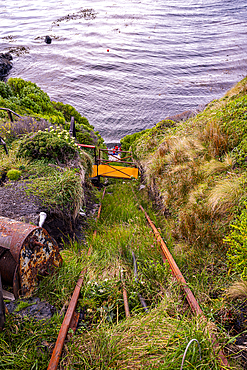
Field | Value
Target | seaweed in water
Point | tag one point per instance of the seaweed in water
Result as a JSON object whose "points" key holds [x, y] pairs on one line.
{"points": [[87, 14], [19, 50], [9, 38]]}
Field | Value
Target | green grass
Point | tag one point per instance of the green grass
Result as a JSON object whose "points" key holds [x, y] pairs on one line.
{"points": [[106, 339], [26, 344], [152, 341]]}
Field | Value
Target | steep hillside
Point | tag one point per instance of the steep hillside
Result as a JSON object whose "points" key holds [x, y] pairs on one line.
{"points": [[197, 172]]}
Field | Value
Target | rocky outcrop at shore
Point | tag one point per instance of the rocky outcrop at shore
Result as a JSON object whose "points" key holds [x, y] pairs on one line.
{"points": [[5, 65]]}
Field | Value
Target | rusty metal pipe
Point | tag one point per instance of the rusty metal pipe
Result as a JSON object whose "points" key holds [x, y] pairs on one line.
{"points": [[57, 351], [188, 293]]}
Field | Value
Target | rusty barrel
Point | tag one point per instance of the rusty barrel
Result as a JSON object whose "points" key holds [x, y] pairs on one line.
{"points": [[27, 252]]}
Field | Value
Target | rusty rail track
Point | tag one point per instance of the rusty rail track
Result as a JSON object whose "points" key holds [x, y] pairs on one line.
{"points": [[166, 255], [188, 293], [57, 351]]}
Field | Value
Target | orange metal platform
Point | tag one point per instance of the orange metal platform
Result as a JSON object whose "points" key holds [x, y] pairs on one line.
{"points": [[107, 170]]}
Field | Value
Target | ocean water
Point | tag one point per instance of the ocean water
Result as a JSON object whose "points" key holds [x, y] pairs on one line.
{"points": [[127, 64]]}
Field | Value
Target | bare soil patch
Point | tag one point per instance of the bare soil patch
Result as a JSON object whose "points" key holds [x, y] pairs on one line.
{"points": [[15, 204]]}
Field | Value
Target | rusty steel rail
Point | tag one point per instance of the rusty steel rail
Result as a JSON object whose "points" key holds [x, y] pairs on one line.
{"points": [[67, 322], [53, 364], [188, 293], [175, 270], [141, 299]]}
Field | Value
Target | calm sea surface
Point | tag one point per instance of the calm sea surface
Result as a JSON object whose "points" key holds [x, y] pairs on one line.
{"points": [[127, 64]]}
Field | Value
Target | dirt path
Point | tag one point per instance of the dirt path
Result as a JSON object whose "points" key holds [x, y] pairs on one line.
{"points": [[15, 204]]}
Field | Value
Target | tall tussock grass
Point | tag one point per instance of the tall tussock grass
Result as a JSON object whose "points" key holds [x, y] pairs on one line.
{"points": [[225, 195], [197, 172], [237, 290], [197, 227], [152, 341], [214, 139], [214, 166]]}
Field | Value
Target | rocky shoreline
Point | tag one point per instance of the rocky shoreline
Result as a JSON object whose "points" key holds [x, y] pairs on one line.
{"points": [[5, 65]]}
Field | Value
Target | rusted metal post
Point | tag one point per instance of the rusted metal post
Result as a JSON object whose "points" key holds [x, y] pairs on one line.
{"points": [[72, 131], [188, 293], [126, 304], [10, 116], [125, 297], [142, 300], [98, 215]]}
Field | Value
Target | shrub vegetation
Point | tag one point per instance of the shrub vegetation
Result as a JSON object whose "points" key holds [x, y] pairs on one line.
{"points": [[27, 99]]}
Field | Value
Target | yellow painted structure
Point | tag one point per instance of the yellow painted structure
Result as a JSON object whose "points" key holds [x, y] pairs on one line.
{"points": [[121, 172]]}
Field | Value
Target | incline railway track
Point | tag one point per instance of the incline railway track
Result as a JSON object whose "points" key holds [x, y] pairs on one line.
{"points": [[68, 319], [110, 168], [166, 256]]}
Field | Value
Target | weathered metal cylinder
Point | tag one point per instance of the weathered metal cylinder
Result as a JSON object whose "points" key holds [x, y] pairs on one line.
{"points": [[27, 252]]}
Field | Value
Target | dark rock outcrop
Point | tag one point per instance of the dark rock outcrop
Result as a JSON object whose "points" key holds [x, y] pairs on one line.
{"points": [[48, 39], [5, 65]]}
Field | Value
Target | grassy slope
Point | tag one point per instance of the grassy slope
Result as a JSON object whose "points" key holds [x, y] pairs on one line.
{"points": [[199, 169], [106, 340]]}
